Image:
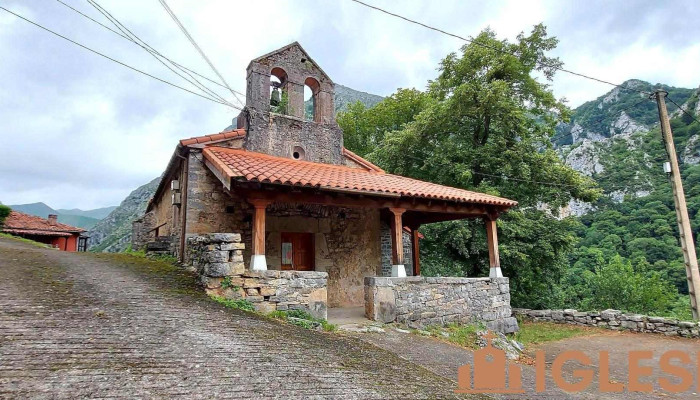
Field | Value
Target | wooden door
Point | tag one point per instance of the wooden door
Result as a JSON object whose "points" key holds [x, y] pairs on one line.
{"points": [[297, 251]]}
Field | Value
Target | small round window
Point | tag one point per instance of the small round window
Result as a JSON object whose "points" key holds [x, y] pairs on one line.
{"points": [[298, 153]]}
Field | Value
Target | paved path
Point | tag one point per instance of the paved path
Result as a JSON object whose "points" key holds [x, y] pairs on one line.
{"points": [[444, 358], [111, 326]]}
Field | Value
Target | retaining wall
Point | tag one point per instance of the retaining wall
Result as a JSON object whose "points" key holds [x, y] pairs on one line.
{"points": [[615, 320], [218, 259], [421, 301]]}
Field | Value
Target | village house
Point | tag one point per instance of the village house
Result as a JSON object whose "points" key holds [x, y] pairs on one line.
{"points": [[286, 217], [49, 231]]}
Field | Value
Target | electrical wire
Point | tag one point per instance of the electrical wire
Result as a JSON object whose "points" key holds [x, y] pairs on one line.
{"points": [[115, 60], [132, 37], [471, 40], [684, 111], [199, 49], [127, 38]]}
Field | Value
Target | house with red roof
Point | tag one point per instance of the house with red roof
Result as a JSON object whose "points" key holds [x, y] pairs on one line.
{"points": [[300, 200], [45, 230]]}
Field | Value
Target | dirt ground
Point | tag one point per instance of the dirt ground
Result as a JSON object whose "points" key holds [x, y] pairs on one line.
{"points": [[444, 358], [112, 326]]}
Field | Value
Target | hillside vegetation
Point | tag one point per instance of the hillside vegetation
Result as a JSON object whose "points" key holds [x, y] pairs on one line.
{"points": [[604, 237]]}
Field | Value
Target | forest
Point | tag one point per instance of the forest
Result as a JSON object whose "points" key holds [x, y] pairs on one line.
{"points": [[489, 122]]}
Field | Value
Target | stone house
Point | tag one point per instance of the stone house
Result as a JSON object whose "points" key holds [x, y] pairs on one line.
{"points": [[293, 205]]}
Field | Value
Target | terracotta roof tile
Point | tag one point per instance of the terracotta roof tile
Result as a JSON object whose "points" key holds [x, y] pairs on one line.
{"points": [[258, 167], [18, 221], [235, 134]]}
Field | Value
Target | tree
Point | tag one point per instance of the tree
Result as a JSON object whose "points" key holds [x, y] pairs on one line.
{"points": [[620, 286], [4, 212], [485, 124]]}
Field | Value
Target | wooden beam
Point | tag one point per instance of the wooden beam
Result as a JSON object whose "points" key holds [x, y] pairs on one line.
{"points": [[492, 239], [397, 236], [415, 250], [259, 225], [278, 194]]}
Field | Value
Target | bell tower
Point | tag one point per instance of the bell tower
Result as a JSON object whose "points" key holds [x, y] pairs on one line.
{"points": [[276, 117]]}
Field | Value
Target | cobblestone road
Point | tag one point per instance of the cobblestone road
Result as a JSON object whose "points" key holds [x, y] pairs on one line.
{"points": [[114, 326]]}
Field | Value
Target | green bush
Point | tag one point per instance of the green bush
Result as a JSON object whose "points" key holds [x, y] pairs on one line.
{"points": [[4, 212], [239, 304]]}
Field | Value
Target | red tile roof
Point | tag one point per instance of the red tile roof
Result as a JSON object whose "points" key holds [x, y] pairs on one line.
{"points": [[235, 134], [349, 154], [258, 167], [21, 223]]}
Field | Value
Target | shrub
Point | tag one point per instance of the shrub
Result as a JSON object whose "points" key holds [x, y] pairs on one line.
{"points": [[4, 212]]}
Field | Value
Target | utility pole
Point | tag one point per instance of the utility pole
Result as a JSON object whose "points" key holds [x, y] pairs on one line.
{"points": [[686, 234]]}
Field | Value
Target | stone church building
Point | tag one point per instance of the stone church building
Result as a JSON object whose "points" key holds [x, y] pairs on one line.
{"points": [[279, 202]]}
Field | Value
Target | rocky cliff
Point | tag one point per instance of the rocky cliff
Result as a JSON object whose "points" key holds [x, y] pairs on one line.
{"points": [[113, 233], [615, 139]]}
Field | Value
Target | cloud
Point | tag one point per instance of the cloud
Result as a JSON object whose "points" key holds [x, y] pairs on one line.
{"points": [[81, 131]]}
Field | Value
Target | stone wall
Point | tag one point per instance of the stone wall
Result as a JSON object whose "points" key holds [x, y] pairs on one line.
{"points": [[218, 259], [615, 320], [422, 301]]}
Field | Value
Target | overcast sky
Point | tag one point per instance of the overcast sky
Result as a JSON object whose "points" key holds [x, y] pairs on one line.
{"points": [[77, 130]]}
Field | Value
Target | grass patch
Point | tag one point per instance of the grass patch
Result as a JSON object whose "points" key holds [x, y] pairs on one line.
{"points": [[23, 240], [239, 304], [541, 332], [460, 334], [303, 319], [142, 254]]}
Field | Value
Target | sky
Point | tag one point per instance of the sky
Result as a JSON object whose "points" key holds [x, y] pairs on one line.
{"points": [[78, 130]]}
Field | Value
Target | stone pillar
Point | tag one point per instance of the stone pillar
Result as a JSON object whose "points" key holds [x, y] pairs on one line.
{"points": [[257, 260], [397, 268], [492, 238]]}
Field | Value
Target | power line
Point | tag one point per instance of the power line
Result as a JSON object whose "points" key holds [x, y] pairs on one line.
{"points": [[470, 40], [684, 111], [132, 37], [127, 38], [199, 49], [116, 61]]}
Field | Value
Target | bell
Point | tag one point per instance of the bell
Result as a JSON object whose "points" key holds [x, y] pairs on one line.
{"points": [[275, 97]]}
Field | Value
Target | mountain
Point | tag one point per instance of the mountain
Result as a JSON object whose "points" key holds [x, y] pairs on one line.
{"points": [[616, 140], [97, 213], [38, 209], [113, 233], [75, 217], [344, 96]]}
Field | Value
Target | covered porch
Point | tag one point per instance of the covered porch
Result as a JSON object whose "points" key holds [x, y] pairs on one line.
{"points": [[314, 218]]}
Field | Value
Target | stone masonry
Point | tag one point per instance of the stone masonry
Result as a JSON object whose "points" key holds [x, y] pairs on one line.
{"points": [[615, 320], [422, 301], [218, 259]]}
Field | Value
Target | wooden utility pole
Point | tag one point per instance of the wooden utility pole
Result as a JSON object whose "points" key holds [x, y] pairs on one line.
{"points": [[686, 234]]}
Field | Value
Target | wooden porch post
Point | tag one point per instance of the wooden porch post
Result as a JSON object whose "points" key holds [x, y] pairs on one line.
{"points": [[492, 238], [397, 268], [415, 250], [257, 260]]}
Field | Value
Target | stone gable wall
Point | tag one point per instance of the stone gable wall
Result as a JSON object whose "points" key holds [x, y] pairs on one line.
{"points": [[422, 301], [218, 257], [615, 320]]}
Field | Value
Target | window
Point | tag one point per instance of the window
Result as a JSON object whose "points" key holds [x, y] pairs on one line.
{"points": [[311, 91], [278, 91]]}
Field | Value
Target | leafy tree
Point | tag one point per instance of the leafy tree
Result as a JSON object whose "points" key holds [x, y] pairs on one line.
{"points": [[620, 286], [364, 128], [4, 212], [485, 124]]}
